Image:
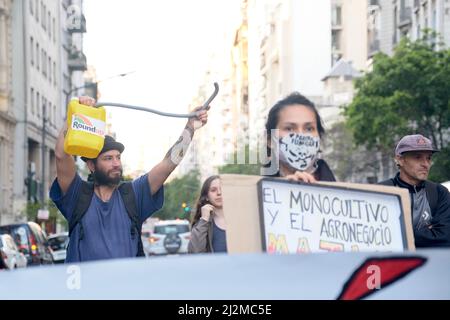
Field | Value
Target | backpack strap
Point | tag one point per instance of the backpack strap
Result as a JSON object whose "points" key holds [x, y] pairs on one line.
{"points": [[129, 200], [432, 195], [82, 204]]}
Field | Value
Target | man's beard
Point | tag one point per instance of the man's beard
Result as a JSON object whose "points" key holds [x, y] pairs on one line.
{"points": [[102, 179]]}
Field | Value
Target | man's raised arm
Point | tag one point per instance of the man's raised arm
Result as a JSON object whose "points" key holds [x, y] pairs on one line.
{"points": [[65, 163], [158, 175]]}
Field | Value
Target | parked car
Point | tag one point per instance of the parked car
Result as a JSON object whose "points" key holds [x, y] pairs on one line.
{"points": [[10, 256], [58, 243], [31, 241], [169, 237]]}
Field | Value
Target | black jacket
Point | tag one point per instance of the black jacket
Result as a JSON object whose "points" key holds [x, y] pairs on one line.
{"points": [[437, 234]]}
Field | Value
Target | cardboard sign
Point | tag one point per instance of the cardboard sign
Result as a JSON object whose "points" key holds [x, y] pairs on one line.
{"points": [[245, 226], [304, 218]]}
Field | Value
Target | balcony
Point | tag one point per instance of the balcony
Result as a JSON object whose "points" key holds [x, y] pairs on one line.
{"points": [[78, 26], [77, 61], [405, 17]]}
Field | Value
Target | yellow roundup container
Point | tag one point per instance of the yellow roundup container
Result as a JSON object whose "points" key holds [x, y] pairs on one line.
{"points": [[86, 130]]}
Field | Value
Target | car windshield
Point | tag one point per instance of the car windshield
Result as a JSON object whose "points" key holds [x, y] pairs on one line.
{"points": [[172, 228], [58, 243], [18, 233]]}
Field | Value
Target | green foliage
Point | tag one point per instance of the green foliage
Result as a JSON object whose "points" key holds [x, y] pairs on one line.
{"points": [[178, 191], [440, 171], [54, 214], [349, 162], [404, 94]]}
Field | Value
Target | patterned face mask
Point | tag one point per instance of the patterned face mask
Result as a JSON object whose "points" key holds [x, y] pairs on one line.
{"points": [[299, 151]]}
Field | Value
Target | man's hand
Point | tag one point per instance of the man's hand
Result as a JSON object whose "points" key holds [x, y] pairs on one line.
{"points": [[65, 164], [87, 101], [199, 121], [158, 175]]}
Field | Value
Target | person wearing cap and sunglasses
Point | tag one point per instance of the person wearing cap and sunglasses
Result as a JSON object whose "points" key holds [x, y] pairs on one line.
{"points": [[108, 224], [430, 202]]}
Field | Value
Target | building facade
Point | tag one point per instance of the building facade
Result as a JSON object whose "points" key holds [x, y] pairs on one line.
{"points": [[283, 55], [42, 78], [348, 32], [7, 120], [389, 21]]}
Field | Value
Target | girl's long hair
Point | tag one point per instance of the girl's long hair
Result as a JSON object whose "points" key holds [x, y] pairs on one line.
{"points": [[203, 199]]}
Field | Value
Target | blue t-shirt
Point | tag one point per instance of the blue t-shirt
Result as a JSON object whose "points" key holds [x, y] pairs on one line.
{"points": [[106, 225], [219, 239]]}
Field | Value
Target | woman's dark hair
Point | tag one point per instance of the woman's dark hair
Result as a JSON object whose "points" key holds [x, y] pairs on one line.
{"points": [[203, 199], [294, 98]]}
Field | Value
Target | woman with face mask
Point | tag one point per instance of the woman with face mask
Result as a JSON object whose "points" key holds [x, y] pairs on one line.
{"points": [[208, 224], [294, 131]]}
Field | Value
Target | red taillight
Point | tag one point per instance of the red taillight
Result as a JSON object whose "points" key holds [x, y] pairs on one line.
{"points": [[4, 256], [153, 239], [33, 245]]}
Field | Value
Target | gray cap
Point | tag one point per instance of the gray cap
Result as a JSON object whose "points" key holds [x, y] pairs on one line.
{"points": [[415, 142]]}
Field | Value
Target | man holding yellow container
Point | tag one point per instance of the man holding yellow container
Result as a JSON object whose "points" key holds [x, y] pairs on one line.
{"points": [[105, 216]]}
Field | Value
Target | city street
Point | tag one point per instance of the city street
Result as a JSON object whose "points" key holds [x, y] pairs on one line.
{"points": [[254, 150]]}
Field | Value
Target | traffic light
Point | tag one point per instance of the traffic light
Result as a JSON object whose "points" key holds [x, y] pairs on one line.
{"points": [[185, 207]]}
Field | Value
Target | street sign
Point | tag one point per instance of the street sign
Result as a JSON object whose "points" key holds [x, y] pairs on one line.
{"points": [[43, 214]]}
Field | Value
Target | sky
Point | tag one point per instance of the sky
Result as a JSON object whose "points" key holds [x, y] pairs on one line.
{"points": [[165, 45]]}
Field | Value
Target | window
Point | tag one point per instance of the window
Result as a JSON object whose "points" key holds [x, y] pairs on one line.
{"points": [[336, 16], [32, 101], [44, 62], [394, 37], [433, 16], [181, 228], [54, 30], [38, 105], [37, 10], [50, 70], [58, 243], [336, 40], [43, 17], [54, 115], [31, 7], [49, 24], [32, 50], [37, 55], [44, 107], [49, 113], [54, 73]]}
